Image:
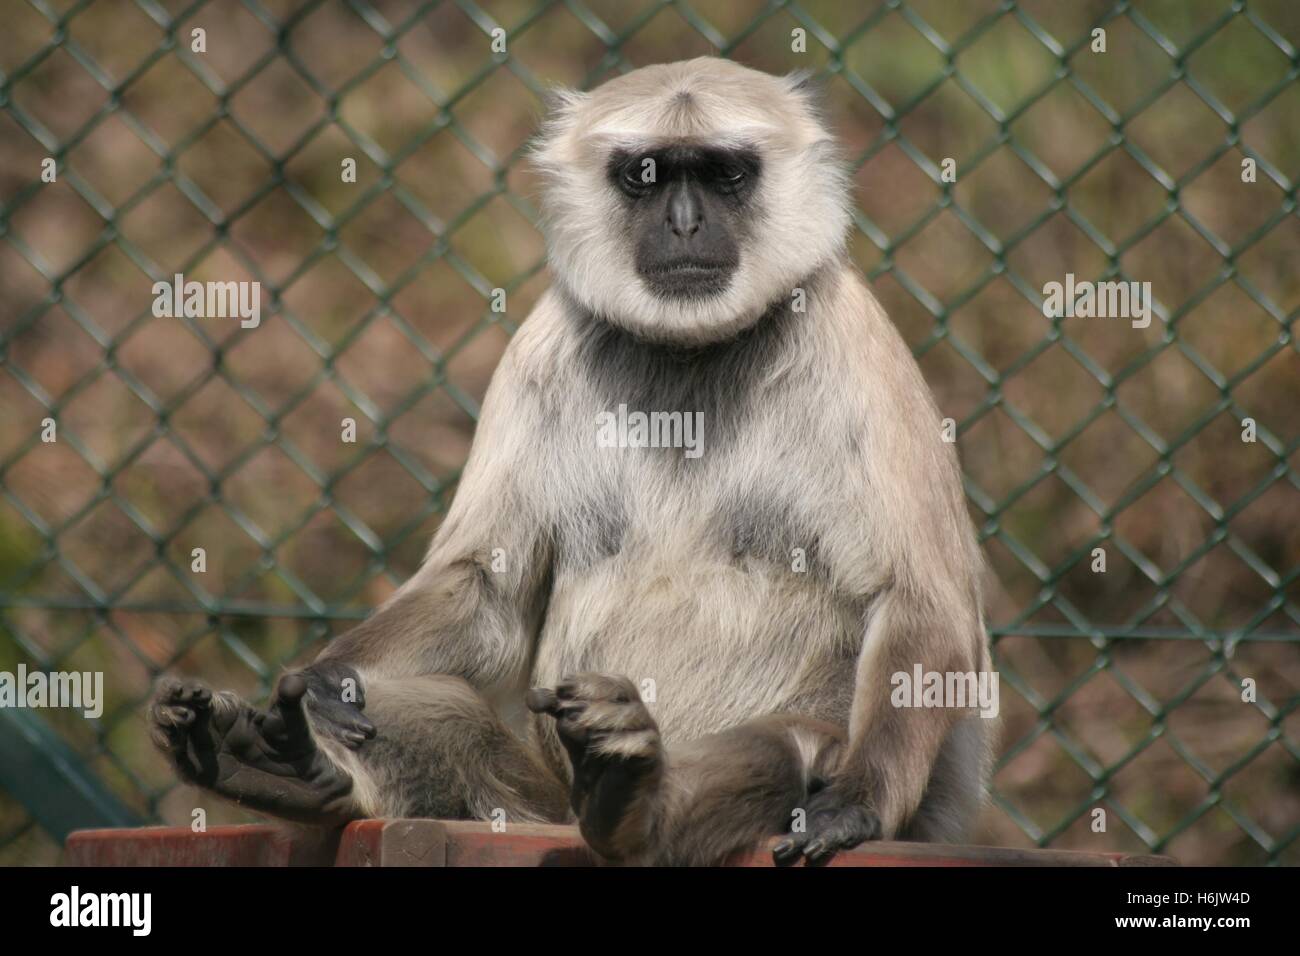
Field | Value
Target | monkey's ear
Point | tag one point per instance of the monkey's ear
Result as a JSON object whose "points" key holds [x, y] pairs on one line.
{"points": [[561, 105], [809, 86], [801, 79], [561, 101]]}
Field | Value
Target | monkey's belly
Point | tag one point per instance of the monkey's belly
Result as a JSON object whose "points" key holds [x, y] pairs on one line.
{"points": [[709, 645]]}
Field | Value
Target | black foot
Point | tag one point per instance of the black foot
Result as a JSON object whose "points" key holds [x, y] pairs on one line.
{"points": [[833, 823], [613, 744], [266, 760]]}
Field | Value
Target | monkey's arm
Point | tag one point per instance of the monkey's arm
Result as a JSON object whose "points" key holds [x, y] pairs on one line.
{"points": [[473, 608], [350, 735], [891, 753], [905, 547]]}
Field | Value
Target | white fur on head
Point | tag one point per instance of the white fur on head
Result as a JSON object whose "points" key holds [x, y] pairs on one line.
{"points": [[801, 202]]}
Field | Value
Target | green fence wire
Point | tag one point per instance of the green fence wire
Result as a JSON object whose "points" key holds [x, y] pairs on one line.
{"points": [[69, 599]]}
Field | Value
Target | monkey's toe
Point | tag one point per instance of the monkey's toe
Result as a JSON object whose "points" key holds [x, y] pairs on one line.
{"points": [[284, 723], [174, 694], [179, 709], [833, 824]]}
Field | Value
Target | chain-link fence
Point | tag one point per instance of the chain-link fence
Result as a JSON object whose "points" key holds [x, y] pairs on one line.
{"points": [[175, 493]]}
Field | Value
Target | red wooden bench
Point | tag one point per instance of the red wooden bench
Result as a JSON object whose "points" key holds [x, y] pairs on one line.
{"points": [[456, 843]]}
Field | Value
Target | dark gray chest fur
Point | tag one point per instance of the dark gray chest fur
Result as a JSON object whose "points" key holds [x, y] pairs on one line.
{"points": [[723, 384]]}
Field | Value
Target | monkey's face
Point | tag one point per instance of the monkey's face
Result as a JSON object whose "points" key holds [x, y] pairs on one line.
{"points": [[684, 200], [688, 209]]}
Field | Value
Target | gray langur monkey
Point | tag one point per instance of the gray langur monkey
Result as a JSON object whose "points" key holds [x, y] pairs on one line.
{"points": [[768, 587]]}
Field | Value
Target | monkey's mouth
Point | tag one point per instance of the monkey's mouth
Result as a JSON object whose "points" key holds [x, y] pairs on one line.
{"points": [[688, 278]]}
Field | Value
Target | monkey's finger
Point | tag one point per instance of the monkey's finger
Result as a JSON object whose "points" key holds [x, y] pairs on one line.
{"points": [[542, 700], [342, 720], [363, 725], [288, 706]]}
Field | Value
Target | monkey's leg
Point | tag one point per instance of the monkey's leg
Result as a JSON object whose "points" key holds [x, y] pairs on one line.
{"points": [[709, 798], [442, 751], [428, 746]]}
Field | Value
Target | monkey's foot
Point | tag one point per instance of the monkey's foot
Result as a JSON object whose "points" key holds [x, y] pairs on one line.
{"points": [[266, 760], [617, 758], [832, 823]]}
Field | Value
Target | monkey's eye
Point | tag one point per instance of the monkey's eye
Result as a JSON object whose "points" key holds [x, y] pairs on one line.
{"points": [[731, 176], [638, 175]]}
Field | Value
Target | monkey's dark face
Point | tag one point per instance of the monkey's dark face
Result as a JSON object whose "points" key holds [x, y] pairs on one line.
{"points": [[688, 212]]}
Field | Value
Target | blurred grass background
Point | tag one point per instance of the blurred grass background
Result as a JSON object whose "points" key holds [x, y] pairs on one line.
{"points": [[1120, 690]]}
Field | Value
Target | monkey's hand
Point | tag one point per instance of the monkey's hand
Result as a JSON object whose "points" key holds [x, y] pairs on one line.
{"points": [[266, 760], [834, 822], [336, 700], [617, 758]]}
